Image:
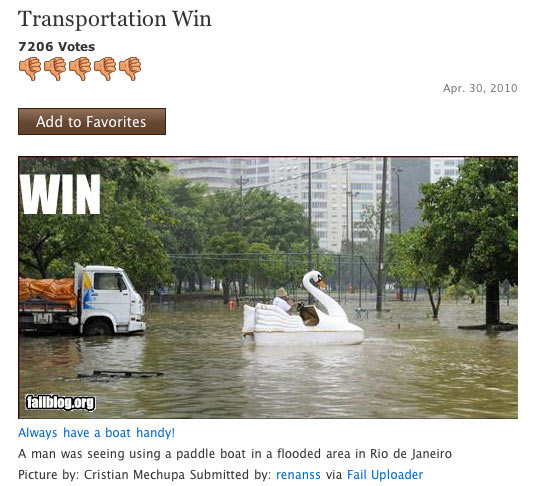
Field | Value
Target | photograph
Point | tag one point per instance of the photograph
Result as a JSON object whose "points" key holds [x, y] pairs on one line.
{"points": [[268, 287]]}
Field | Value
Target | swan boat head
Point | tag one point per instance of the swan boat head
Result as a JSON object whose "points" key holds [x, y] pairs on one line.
{"points": [[335, 312], [316, 277]]}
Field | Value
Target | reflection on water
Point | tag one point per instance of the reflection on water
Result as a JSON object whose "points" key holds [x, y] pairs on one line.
{"points": [[423, 368]]}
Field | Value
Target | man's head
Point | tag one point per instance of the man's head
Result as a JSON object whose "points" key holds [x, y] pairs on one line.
{"points": [[282, 293]]}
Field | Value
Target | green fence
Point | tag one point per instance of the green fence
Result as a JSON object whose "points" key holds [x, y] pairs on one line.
{"points": [[257, 276]]}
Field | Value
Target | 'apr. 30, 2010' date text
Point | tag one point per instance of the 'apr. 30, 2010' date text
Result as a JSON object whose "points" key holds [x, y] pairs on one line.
{"points": [[480, 88]]}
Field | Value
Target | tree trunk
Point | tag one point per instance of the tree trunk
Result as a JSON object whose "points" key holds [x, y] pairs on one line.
{"points": [[435, 306], [399, 291], [216, 284], [226, 292], [493, 314], [415, 290], [243, 281], [147, 300], [191, 282], [200, 277]]}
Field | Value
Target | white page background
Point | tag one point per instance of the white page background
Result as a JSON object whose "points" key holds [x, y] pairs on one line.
{"points": [[297, 78]]}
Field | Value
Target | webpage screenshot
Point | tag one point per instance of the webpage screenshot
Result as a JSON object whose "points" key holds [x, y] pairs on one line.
{"points": [[267, 242]]}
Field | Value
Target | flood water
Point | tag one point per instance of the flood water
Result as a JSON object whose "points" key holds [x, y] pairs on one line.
{"points": [[423, 369]]}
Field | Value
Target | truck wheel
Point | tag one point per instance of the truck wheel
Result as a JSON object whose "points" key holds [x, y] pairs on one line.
{"points": [[98, 327]]}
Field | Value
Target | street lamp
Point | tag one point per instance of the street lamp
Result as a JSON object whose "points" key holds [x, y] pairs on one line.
{"points": [[397, 171]]}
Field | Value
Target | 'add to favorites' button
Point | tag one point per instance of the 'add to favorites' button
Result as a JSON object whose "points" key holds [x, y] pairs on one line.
{"points": [[92, 121]]}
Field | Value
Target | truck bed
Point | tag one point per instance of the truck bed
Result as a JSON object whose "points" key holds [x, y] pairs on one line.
{"points": [[41, 305], [40, 316]]}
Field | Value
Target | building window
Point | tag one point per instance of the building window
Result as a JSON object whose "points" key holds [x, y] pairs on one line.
{"points": [[362, 185]]}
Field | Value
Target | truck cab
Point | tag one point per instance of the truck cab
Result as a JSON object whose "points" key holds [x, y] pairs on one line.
{"points": [[108, 302]]}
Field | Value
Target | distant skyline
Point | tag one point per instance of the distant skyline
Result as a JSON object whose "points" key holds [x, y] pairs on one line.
{"points": [[287, 176]]}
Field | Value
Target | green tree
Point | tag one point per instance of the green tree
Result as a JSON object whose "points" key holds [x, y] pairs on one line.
{"points": [[267, 218], [222, 260], [407, 256], [267, 267], [184, 229], [368, 225], [472, 225], [463, 288], [123, 234]]}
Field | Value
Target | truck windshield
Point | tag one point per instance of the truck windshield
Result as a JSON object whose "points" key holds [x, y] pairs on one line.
{"points": [[125, 276]]}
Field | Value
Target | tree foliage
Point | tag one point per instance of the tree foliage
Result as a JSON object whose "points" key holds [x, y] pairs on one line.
{"points": [[123, 234], [472, 222], [154, 226], [472, 228], [267, 218], [267, 267], [407, 254]]}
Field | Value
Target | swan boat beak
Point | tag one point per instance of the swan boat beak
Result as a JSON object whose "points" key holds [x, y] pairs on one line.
{"points": [[322, 284]]}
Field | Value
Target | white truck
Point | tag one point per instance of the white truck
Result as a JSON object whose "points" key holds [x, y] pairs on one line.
{"points": [[106, 303]]}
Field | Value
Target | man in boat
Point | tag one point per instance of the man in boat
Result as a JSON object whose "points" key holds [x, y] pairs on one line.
{"points": [[282, 300]]}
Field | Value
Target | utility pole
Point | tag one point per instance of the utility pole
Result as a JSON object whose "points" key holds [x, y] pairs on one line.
{"points": [[352, 237], [243, 279], [310, 205], [347, 209], [379, 283], [397, 172], [241, 182]]}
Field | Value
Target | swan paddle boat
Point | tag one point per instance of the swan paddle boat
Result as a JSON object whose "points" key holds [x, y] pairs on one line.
{"points": [[269, 325]]}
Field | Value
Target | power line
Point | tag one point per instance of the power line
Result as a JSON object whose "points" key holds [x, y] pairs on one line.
{"points": [[305, 174]]}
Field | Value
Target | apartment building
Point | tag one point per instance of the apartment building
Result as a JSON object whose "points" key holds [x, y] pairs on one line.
{"points": [[444, 167], [333, 180]]}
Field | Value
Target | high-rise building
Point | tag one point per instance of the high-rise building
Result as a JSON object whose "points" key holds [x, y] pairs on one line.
{"points": [[216, 172], [333, 179], [412, 172], [444, 167]]}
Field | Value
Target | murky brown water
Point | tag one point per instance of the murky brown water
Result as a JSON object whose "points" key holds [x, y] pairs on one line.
{"points": [[424, 369]]}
